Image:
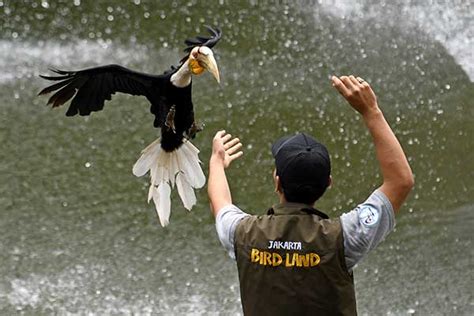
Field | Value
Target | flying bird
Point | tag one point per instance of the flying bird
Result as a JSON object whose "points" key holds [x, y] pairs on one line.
{"points": [[171, 159]]}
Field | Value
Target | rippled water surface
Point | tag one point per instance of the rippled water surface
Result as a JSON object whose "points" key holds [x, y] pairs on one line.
{"points": [[77, 235]]}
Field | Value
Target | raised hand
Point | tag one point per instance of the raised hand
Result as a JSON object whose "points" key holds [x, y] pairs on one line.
{"points": [[225, 148], [357, 92]]}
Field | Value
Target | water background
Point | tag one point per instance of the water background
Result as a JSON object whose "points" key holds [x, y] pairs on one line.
{"points": [[77, 236]]}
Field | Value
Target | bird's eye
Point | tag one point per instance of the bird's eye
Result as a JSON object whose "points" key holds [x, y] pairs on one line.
{"points": [[195, 53]]}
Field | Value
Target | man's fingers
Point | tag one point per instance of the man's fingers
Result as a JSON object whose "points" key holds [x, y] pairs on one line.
{"points": [[234, 148], [355, 81], [339, 85], [219, 134], [236, 155], [366, 85], [226, 138], [231, 143], [347, 82]]}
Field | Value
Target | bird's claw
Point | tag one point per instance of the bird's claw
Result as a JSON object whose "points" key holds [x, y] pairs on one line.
{"points": [[169, 123], [194, 129]]}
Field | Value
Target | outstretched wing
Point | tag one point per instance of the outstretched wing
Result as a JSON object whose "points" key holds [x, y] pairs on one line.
{"points": [[91, 87]]}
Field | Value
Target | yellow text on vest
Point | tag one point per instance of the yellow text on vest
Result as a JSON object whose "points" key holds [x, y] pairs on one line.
{"points": [[287, 259]]}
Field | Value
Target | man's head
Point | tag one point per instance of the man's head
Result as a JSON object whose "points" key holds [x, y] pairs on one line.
{"points": [[303, 167]]}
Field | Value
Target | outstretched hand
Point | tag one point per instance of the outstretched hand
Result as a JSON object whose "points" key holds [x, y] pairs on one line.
{"points": [[357, 92], [225, 148], [396, 172]]}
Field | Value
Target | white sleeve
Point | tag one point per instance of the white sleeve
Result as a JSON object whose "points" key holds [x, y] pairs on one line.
{"points": [[366, 226], [226, 222]]}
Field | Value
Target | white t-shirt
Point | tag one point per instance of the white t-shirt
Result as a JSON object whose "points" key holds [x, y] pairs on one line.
{"points": [[363, 228]]}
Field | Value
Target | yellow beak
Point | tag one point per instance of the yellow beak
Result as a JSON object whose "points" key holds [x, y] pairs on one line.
{"points": [[209, 63]]}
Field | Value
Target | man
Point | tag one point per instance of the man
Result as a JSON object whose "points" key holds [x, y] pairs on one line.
{"points": [[295, 260]]}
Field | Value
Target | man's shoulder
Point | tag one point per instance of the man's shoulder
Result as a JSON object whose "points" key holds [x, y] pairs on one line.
{"points": [[249, 219], [267, 221]]}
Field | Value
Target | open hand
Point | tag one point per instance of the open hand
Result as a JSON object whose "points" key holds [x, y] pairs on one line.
{"points": [[357, 92], [225, 148]]}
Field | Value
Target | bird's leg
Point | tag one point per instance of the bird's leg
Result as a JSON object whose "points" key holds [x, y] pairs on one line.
{"points": [[170, 119], [194, 129]]}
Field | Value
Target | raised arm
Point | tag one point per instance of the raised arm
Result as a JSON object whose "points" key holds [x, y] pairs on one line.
{"points": [[397, 175], [225, 149]]}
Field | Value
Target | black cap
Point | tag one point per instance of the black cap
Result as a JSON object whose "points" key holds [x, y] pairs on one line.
{"points": [[303, 166]]}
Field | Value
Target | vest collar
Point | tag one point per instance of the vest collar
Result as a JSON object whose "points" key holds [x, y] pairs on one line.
{"points": [[290, 208]]}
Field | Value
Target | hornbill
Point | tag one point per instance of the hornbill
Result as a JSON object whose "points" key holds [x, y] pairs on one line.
{"points": [[171, 159]]}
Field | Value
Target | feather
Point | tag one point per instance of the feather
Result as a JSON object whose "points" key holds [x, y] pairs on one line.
{"points": [[163, 167], [155, 173], [152, 145], [185, 168], [162, 200], [62, 96], [55, 86], [192, 147], [190, 166], [55, 78], [62, 72], [180, 167], [192, 42], [173, 168], [148, 156], [185, 191], [146, 160], [98, 103], [204, 41], [95, 85], [210, 42], [150, 192]]}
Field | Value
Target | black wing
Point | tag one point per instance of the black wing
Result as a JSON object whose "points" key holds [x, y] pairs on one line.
{"points": [[91, 87]]}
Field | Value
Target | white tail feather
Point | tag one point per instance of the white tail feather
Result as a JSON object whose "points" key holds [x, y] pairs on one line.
{"points": [[163, 203], [148, 157], [192, 147], [173, 166], [150, 193], [185, 191], [181, 167], [188, 161]]}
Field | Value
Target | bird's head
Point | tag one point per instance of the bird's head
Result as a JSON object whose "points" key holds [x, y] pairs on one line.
{"points": [[202, 58]]}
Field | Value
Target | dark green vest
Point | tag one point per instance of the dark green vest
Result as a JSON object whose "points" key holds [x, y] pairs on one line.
{"points": [[291, 262]]}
